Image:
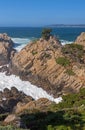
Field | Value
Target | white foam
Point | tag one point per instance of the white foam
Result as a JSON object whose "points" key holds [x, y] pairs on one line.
{"points": [[63, 42], [25, 86], [18, 48], [20, 42]]}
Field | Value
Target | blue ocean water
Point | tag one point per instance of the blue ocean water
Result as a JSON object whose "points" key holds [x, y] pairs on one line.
{"points": [[23, 35]]}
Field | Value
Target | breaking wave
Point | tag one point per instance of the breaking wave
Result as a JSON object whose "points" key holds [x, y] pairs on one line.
{"points": [[25, 86]]}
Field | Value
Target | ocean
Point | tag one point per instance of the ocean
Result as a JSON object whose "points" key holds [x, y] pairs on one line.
{"points": [[22, 36]]}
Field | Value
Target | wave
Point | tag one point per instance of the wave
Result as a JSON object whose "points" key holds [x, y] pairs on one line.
{"points": [[21, 42], [63, 42], [25, 86]]}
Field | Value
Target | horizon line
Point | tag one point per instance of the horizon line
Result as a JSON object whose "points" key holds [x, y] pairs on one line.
{"points": [[52, 25]]}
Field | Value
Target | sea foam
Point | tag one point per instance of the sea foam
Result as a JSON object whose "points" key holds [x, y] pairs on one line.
{"points": [[20, 42], [25, 86], [64, 42]]}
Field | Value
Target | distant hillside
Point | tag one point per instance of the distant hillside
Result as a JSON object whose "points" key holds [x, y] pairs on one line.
{"points": [[67, 25]]}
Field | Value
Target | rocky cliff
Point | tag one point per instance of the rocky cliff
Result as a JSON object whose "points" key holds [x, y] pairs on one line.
{"points": [[6, 49], [81, 39], [57, 69]]}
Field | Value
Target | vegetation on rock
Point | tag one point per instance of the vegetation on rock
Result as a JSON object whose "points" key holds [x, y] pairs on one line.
{"points": [[67, 115], [46, 33], [63, 61], [10, 127], [70, 72], [34, 52], [74, 51]]}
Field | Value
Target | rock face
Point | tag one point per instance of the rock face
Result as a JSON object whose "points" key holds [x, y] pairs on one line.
{"points": [[13, 103], [6, 49], [37, 63], [10, 98], [81, 39], [41, 105]]}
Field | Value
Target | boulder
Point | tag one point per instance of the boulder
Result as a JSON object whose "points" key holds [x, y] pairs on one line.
{"points": [[40, 104], [10, 98], [14, 91], [12, 118]]}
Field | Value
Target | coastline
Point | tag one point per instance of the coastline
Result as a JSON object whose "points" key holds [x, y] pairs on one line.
{"points": [[45, 60]]}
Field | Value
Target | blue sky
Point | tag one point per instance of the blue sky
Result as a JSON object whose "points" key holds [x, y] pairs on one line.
{"points": [[41, 12]]}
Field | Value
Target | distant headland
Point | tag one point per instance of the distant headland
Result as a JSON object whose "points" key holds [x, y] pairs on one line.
{"points": [[66, 25]]}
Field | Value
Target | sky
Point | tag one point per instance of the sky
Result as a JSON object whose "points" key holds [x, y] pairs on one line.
{"points": [[41, 12]]}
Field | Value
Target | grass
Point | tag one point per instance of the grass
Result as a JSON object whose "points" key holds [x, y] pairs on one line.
{"points": [[63, 61]]}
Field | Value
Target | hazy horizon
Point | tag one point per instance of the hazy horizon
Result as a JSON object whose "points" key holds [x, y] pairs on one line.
{"points": [[43, 26]]}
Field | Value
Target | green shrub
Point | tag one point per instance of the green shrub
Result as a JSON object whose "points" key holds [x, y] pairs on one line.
{"points": [[63, 61], [68, 48], [74, 46], [74, 51], [63, 127], [46, 33], [9, 127], [34, 52], [49, 127], [70, 72]]}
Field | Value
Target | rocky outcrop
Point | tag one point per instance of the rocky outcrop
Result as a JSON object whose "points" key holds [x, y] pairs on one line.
{"points": [[37, 62], [13, 119], [10, 98], [40, 104], [81, 39], [14, 103], [6, 49]]}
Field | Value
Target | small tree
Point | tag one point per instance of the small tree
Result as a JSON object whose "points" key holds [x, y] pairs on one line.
{"points": [[46, 33]]}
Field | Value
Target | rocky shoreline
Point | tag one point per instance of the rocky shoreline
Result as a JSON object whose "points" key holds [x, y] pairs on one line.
{"points": [[37, 63], [58, 69]]}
